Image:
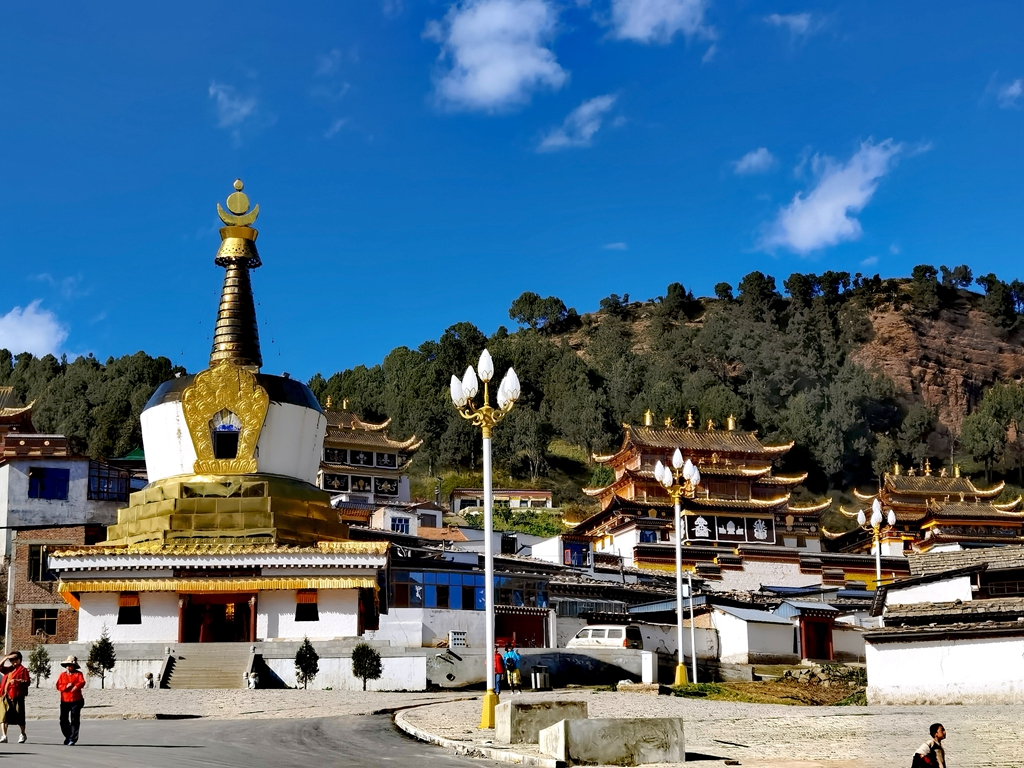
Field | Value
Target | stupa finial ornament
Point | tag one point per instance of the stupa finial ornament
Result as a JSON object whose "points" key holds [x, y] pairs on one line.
{"points": [[236, 336], [238, 204]]}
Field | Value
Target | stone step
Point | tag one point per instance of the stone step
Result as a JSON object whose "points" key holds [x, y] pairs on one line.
{"points": [[209, 665]]}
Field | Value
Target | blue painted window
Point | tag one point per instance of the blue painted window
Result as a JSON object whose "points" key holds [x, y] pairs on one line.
{"points": [[48, 483]]}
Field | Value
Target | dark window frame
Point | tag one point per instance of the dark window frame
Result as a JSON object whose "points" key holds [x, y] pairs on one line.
{"points": [[49, 483], [38, 572], [44, 619]]}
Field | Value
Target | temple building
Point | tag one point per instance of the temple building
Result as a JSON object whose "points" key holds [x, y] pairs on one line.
{"points": [[360, 464], [742, 528], [935, 511], [231, 540], [13, 418]]}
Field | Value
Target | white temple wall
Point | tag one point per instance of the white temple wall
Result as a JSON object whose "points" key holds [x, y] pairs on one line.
{"points": [[945, 591], [425, 627], [955, 671], [289, 445], [400, 673], [159, 618], [337, 610]]}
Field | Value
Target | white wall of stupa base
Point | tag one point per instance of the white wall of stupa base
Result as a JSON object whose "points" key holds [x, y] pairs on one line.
{"points": [[337, 609], [275, 617], [289, 445], [399, 673], [99, 610]]}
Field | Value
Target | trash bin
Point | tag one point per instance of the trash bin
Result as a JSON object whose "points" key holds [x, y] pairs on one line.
{"points": [[540, 680]]}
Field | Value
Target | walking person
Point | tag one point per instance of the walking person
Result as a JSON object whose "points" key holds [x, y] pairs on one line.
{"points": [[513, 661], [13, 689], [499, 668], [70, 684], [931, 754]]}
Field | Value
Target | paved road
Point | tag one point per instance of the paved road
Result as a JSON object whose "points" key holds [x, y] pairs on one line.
{"points": [[338, 741]]}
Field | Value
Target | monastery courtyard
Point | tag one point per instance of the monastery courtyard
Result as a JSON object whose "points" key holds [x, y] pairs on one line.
{"points": [[755, 734]]}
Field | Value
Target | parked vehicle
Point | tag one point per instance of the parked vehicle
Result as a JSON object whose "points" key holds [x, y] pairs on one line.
{"points": [[608, 636]]}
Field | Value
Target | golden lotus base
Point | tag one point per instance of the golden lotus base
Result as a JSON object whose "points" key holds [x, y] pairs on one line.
{"points": [[254, 508]]}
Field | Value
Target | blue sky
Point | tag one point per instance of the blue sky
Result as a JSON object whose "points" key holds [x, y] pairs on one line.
{"points": [[420, 163]]}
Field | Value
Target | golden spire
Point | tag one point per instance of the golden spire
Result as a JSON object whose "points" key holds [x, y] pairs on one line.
{"points": [[956, 470], [344, 404], [648, 418], [711, 425], [896, 468], [689, 419], [668, 421], [236, 337], [328, 404], [731, 422], [927, 467]]}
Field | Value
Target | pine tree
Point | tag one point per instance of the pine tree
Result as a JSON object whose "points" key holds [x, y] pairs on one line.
{"points": [[101, 657], [39, 662], [307, 663], [366, 663]]}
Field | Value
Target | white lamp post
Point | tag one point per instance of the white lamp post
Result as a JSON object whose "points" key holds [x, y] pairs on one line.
{"points": [[669, 477], [485, 417], [874, 526]]}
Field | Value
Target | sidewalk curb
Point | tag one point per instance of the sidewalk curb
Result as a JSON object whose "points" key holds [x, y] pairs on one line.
{"points": [[471, 750]]}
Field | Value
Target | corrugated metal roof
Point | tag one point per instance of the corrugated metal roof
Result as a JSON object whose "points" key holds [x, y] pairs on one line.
{"points": [[752, 615]]}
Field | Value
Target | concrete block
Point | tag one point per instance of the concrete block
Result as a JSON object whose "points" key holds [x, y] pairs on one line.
{"points": [[520, 722], [615, 741]]}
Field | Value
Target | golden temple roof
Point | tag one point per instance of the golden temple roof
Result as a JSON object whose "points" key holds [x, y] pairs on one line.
{"points": [[693, 441], [206, 547], [931, 485], [346, 429]]}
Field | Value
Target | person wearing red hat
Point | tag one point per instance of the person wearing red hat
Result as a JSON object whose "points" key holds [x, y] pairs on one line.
{"points": [[70, 684]]}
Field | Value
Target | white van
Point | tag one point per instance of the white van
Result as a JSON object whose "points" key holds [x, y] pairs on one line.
{"points": [[608, 636]]}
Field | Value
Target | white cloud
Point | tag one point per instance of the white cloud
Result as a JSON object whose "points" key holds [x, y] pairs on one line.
{"points": [[870, 261], [328, 63], [894, 249], [32, 330], [658, 21], [1008, 95], [798, 24], [710, 54], [615, 247], [392, 8], [759, 160], [233, 108], [336, 126], [823, 217], [495, 53], [580, 126]]}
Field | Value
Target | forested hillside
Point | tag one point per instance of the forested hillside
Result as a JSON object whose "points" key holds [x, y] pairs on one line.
{"points": [[97, 405], [859, 371], [803, 361]]}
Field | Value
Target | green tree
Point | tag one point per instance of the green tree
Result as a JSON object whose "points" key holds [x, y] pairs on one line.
{"points": [[924, 290], [917, 425], [983, 438], [957, 277], [366, 663], [999, 300], [533, 311], [307, 663], [723, 292], [102, 657], [39, 662], [884, 456]]}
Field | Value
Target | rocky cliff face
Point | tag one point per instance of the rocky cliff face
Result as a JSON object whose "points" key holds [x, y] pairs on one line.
{"points": [[945, 363]]}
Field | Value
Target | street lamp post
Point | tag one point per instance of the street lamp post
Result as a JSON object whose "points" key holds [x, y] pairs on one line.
{"points": [[874, 526], [485, 416], [670, 477]]}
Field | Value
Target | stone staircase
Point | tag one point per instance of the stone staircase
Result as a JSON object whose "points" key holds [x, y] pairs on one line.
{"points": [[209, 665]]}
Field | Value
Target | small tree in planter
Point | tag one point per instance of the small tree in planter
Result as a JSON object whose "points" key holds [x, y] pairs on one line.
{"points": [[366, 663], [307, 663], [39, 662], [101, 657]]}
